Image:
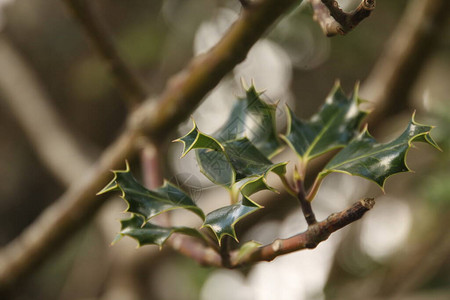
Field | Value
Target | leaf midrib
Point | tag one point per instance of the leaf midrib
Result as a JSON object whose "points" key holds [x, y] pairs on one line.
{"points": [[367, 155], [155, 198], [318, 137]]}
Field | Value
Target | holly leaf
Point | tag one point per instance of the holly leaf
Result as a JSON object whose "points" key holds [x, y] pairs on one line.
{"points": [[227, 162], [150, 234], [195, 139], [253, 118], [223, 220], [377, 161], [149, 203], [332, 127]]}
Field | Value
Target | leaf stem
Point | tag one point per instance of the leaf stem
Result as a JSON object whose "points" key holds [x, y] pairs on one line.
{"points": [[314, 189], [234, 194], [288, 186], [305, 204]]}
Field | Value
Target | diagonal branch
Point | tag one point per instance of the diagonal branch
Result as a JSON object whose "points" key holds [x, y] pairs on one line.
{"points": [[53, 142], [126, 78], [333, 20], [309, 239], [183, 93], [185, 90]]}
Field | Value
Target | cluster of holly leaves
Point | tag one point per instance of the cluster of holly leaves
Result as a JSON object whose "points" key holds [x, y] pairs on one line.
{"points": [[238, 157]]}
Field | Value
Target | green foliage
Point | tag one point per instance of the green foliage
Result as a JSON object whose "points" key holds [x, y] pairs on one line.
{"points": [[149, 204], [150, 233], [237, 157], [367, 158], [333, 127], [222, 220]]}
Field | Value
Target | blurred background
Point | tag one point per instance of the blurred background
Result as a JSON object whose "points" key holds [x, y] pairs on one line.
{"points": [[400, 249]]}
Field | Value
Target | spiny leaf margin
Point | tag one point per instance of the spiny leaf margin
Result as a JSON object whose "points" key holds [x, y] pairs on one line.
{"points": [[150, 203], [333, 127], [414, 132], [150, 234], [222, 221], [230, 155]]}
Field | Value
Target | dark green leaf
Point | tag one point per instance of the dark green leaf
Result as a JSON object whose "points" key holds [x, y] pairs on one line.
{"points": [[147, 203], [230, 161], [150, 233], [195, 139], [366, 158], [222, 220], [333, 127], [253, 118]]}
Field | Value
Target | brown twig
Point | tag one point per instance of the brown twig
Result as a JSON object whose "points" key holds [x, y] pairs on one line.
{"points": [[190, 247], [388, 87], [305, 204], [333, 20], [315, 234], [183, 93], [126, 79], [309, 239]]}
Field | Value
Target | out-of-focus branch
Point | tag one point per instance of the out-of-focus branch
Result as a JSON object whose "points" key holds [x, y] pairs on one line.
{"points": [[61, 153], [155, 119], [245, 3], [309, 239], [126, 79], [184, 90], [59, 221], [406, 52], [388, 87], [422, 263], [333, 20]]}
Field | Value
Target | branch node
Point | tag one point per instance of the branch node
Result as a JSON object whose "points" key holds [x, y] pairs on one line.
{"points": [[277, 245], [369, 4], [333, 20], [368, 203]]}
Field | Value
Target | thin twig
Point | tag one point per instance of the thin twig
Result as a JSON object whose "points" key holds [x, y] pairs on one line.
{"points": [[305, 204], [126, 78], [183, 93], [388, 87], [309, 239], [333, 20]]}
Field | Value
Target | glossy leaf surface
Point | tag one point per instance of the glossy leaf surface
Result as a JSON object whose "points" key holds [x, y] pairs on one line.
{"points": [[375, 161], [230, 161], [223, 220], [150, 234], [150, 203], [253, 118], [333, 127]]}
